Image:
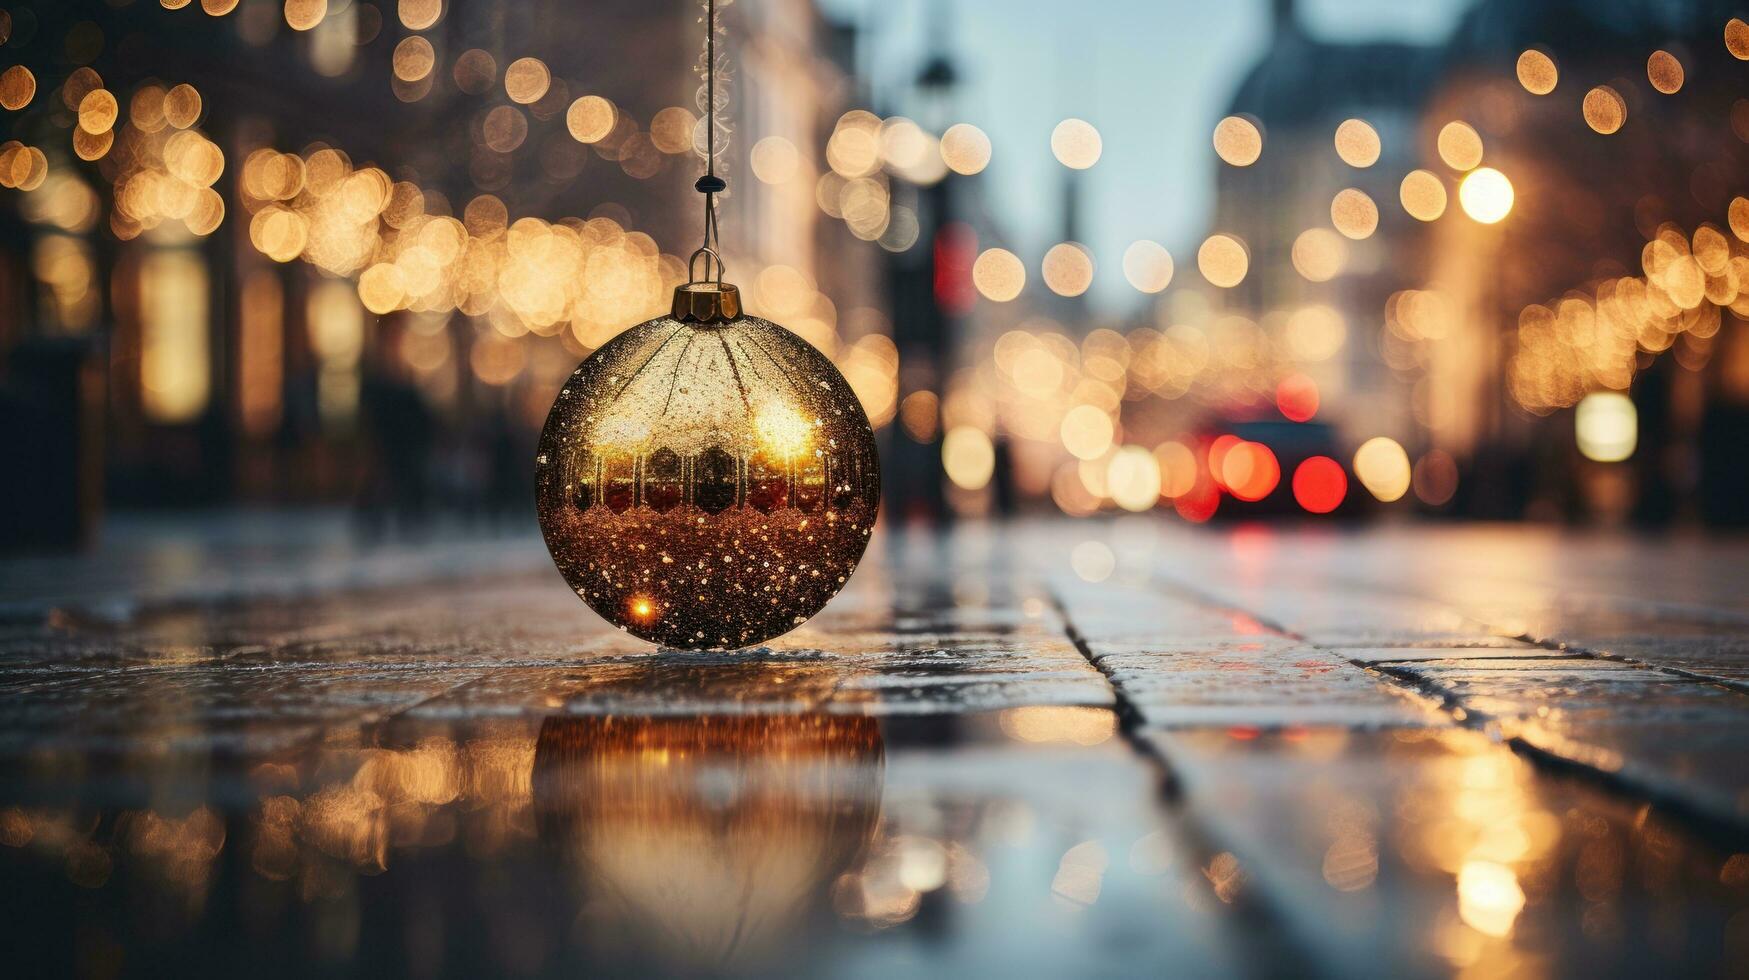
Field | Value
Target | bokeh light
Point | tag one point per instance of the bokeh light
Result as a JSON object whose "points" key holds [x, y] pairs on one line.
{"points": [[1605, 110], [1354, 214], [1319, 484], [17, 87], [590, 119], [1319, 254], [1423, 195], [1383, 468], [1537, 72], [1067, 269], [1076, 144], [1435, 478], [1148, 266], [1249, 470], [1086, 431], [1460, 146], [1296, 397], [1486, 195], [1737, 38], [1133, 478], [1357, 143], [1606, 426], [968, 457], [1665, 72], [1223, 261], [998, 274], [1238, 141], [965, 149]]}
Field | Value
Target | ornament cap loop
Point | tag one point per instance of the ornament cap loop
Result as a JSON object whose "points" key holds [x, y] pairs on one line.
{"points": [[707, 302]]}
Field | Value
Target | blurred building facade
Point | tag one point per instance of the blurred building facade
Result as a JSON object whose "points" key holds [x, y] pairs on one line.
{"points": [[401, 353], [1477, 340]]}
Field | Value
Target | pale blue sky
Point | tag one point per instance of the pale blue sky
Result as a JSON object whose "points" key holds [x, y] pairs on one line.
{"points": [[1152, 75]]}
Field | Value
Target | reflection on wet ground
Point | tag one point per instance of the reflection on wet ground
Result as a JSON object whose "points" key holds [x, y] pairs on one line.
{"points": [[982, 760], [1012, 842]]}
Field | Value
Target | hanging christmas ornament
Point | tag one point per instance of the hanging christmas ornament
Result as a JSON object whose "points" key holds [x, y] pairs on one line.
{"points": [[707, 479]]}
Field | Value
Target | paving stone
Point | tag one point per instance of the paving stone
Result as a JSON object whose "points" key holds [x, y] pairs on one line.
{"points": [[1241, 751], [1481, 865], [1668, 736]]}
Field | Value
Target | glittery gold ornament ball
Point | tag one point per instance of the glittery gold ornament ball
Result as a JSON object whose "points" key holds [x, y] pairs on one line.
{"points": [[707, 485]]}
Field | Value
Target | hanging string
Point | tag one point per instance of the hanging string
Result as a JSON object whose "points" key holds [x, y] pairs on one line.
{"points": [[710, 184]]}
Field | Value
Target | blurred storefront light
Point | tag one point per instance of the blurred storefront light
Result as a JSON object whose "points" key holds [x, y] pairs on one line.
{"points": [[175, 374], [1606, 426], [1486, 195], [1383, 468]]}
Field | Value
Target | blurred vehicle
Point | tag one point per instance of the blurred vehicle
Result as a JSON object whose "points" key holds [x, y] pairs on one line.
{"points": [[1271, 469]]}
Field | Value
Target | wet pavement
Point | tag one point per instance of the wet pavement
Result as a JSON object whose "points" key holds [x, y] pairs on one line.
{"points": [[1050, 749]]}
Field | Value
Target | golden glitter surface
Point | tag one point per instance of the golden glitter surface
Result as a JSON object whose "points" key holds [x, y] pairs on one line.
{"points": [[707, 485]]}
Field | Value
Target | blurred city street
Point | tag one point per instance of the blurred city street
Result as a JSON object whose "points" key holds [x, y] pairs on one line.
{"points": [[871, 488], [1056, 748]]}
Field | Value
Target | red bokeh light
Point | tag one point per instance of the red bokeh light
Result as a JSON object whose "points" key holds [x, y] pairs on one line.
{"points": [[1297, 397], [956, 246], [1320, 484], [1200, 503], [1250, 471]]}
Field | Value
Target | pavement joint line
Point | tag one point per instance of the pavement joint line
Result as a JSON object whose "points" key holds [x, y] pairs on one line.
{"points": [[1258, 907], [1721, 616], [1723, 830], [1727, 833]]}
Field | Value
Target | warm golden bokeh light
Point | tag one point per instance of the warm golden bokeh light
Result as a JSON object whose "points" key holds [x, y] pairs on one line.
{"points": [[1383, 468], [98, 111], [774, 160], [1148, 266], [965, 149], [1067, 269], [417, 15], [1423, 195], [1354, 214], [1076, 144], [1738, 217], [590, 119], [413, 59], [1178, 468], [1086, 431], [1460, 146], [1357, 143], [304, 15], [182, 106], [968, 457], [998, 274], [1316, 332], [1132, 479], [1606, 426], [1223, 261], [1665, 72], [1604, 109], [475, 72], [1319, 254], [1537, 72], [1737, 38], [526, 80], [17, 87], [1486, 195], [1238, 141]]}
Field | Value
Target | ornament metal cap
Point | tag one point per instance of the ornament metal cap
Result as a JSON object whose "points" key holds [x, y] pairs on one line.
{"points": [[707, 302], [702, 300]]}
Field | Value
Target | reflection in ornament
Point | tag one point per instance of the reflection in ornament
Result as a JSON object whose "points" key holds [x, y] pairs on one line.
{"points": [[707, 484], [705, 841]]}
